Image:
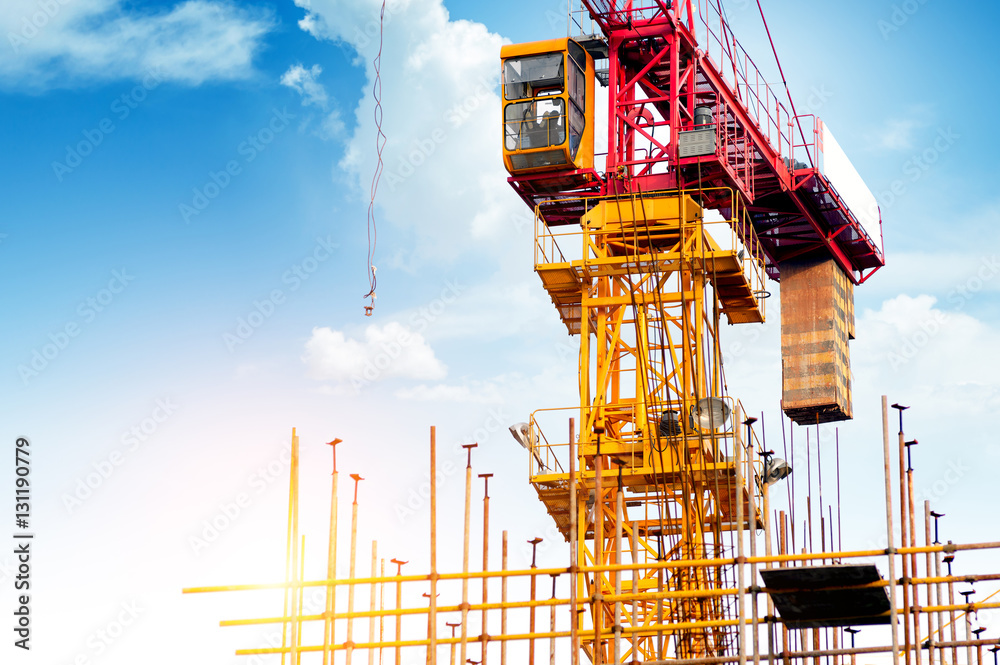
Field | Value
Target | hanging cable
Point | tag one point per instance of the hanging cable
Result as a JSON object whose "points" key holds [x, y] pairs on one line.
{"points": [[380, 141], [788, 92]]}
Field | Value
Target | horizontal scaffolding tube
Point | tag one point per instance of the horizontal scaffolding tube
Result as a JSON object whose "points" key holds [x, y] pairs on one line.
{"points": [[651, 565]]}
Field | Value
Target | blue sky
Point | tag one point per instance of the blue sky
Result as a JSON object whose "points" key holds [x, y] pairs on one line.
{"points": [[121, 115]]}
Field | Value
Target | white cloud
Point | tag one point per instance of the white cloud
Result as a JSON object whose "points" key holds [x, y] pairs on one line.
{"points": [[476, 392], [947, 357], [898, 132], [304, 82], [391, 350], [439, 100], [66, 43], [332, 126]]}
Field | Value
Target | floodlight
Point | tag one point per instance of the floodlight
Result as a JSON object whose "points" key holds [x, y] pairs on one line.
{"points": [[522, 434], [775, 470], [710, 413]]}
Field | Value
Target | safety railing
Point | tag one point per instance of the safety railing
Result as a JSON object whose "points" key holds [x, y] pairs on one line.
{"points": [[807, 153], [634, 432], [620, 12], [716, 38], [735, 233]]}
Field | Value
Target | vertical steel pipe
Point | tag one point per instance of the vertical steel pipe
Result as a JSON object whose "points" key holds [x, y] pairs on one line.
{"points": [[331, 564], [503, 598], [372, 598], [891, 549], [432, 613]]}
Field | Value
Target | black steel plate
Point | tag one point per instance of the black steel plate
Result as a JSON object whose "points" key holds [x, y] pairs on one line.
{"points": [[815, 596]]}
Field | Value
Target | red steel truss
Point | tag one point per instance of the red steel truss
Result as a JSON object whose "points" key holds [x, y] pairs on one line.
{"points": [[664, 61]]}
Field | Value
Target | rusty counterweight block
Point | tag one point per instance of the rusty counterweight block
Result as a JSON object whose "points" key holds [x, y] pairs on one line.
{"points": [[817, 322]]}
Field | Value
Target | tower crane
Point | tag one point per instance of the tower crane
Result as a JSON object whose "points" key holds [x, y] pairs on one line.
{"points": [[709, 188]]}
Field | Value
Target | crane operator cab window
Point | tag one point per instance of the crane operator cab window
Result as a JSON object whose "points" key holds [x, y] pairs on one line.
{"points": [[547, 99]]}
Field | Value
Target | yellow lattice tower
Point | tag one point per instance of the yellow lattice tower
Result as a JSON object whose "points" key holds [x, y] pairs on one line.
{"points": [[649, 288]]}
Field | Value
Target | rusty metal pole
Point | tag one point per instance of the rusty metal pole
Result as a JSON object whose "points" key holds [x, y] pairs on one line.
{"points": [[465, 552], [766, 503], [914, 590], [431, 600], [752, 530], [782, 550], [503, 597], [904, 537], [372, 598], [484, 632], [890, 536], [381, 607], [399, 605], [331, 562], [552, 622], [853, 632], [301, 592], [531, 616], [931, 631], [291, 553], [349, 644], [968, 624], [741, 644], [953, 630], [979, 645], [938, 600], [432, 612], [454, 645]]}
